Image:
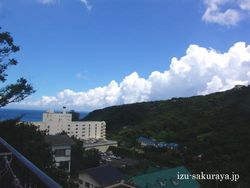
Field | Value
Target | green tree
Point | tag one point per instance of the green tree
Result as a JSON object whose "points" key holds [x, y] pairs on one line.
{"points": [[21, 136], [21, 89], [81, 159], [30, 143], [75, 115], [91, 158]]}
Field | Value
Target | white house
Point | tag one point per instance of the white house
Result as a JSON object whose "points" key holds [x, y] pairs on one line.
{"points": [[54, 123], [61, 147]]}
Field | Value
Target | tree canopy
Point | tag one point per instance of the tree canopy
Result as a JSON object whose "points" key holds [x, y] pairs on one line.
{"points": [[214, 127], [19, 90]]}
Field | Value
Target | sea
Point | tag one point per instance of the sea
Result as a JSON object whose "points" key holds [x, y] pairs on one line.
{"points": [[26, 115]]}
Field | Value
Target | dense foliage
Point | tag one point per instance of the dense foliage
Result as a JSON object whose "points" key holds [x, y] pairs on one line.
{"points": [[31, 144], [14, 92], [81, 159], [217, 126]]}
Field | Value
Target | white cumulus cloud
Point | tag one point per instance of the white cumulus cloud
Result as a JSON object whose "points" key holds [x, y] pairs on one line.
{"points": [[226, 12], [200, 71]]}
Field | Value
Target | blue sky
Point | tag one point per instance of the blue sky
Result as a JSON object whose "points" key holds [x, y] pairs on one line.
{"points": [[97, 53]]}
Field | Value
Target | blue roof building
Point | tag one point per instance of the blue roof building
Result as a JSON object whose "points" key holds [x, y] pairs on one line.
{"points": [[147, 141], [150, 142]]}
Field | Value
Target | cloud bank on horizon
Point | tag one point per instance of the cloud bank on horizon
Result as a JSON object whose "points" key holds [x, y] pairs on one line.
{"points": [[200, 71]]}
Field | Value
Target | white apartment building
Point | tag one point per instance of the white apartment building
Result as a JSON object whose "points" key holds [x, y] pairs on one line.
{"points": [[54, 123]]}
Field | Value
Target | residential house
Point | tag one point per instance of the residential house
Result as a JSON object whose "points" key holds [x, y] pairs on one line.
{"points": [[61, 147], [105, 176]]}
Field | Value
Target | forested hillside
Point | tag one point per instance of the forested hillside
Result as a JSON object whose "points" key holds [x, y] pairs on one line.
{"points": [[216, 126]]}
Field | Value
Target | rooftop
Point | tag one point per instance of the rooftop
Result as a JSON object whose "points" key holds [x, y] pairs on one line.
{"points": [[98, 143], [105, 175], [165, 178], [58, 140]]}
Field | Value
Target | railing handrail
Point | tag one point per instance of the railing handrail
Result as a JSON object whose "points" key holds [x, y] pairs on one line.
{"points": [[39, 174]]}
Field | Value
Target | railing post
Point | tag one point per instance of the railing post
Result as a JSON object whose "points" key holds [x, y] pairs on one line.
{"points": [[48, 181]]}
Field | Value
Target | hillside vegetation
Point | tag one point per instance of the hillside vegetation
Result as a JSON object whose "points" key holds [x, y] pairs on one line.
{"points": [[216, 126]]}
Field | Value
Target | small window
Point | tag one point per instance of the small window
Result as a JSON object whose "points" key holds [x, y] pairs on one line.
{"points": [[59, 152], [80, 181], [87, 184], [67, 152]]}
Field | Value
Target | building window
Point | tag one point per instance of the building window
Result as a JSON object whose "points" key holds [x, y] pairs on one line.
{"points": [[76, 132], [87, 184], [67, 152], [68, 128], [80, 182], [76, 128], [68, 125], [59, 152], [76, 125]]}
